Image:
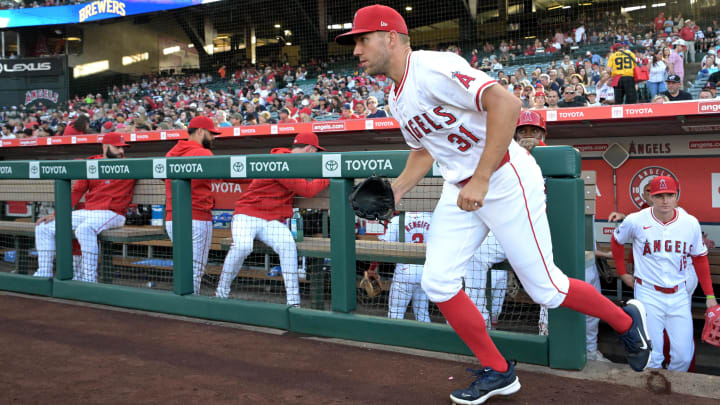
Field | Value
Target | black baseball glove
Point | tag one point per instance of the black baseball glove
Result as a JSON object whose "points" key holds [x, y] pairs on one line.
{"points": [[373, 199]]}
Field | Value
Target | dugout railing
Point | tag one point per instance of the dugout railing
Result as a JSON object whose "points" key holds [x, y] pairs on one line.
{"points": [[564, 347]]}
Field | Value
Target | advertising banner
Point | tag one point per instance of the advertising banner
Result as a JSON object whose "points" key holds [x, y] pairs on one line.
{"points": [[12, 68], [88, 11]]}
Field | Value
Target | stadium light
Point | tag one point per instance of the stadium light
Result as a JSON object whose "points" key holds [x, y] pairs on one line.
{"points": [[172, 49], [554, 7], [633, 8], [73, 39], [91, 68], [276, 25], [288, 43], [408, 8], [565, 7], [347, 26], [139, 57], [658, 5]]}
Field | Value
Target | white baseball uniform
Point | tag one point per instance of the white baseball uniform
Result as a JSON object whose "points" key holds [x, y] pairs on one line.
{"points": [[489, 253], [87, 224], [201, 241], [406, 279], [438, 105], [277, 235], [661, 253]]}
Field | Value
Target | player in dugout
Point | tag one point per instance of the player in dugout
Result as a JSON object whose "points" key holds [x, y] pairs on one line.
{"points": [[106, 204]]}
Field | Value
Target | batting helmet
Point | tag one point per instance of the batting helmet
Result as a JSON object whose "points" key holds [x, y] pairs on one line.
{"points": [[531, 118]]}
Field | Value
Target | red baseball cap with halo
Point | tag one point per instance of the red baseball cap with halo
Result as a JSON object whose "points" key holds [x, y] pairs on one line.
{"points": [[308, 138], [532, 118], [663, 185], [374, 18]]}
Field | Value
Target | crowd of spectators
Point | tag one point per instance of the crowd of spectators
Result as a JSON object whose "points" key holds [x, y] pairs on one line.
{"points": [[588, 80], [251, 95], [248, 96]]}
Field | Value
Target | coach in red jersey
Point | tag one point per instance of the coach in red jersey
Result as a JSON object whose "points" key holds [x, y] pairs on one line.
{"points": [[260, 213], [201, 133], [106, 203]]}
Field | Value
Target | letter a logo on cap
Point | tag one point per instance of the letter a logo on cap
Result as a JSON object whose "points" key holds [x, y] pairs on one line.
{"points": [[663, 185], [383, 24]]}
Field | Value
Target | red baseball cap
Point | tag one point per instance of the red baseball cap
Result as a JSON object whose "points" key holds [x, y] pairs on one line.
{"points": [[663, 184], [374, 18], [306, 111], [204, 123], [114, 139], [532, 118], [108, 125], [308, 138]]}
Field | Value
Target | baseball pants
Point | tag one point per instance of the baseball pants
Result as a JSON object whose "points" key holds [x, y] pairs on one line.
{"points": [[405, 288], [670, 312], [87, 224], [201, 240], [489, 253], [514, 210], [592, 323], [275, 234]]}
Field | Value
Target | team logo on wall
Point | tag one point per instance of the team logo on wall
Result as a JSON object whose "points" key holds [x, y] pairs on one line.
{"points": [[642, 178]]}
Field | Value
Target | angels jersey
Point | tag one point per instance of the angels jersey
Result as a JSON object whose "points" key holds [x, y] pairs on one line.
{"points": [[416, 228], [661, 252], [438, 106]]}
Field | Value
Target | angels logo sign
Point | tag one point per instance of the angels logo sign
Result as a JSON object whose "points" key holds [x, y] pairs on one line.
{"points": [[642, 178]]}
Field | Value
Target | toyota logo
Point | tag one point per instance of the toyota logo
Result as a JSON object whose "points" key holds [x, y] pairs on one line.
{"points": [[159, 168], [92, 169], [331, 165], [34, 169], [238, 166]]}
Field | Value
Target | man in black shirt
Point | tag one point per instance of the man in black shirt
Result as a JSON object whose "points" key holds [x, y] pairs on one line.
{"points": [[673, 91], [569, 99]]}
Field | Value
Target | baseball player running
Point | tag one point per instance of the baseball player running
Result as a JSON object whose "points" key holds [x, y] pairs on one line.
{"points": [[106, 204], [489, 253], [261, 212], [663, 237], [455, 115], [406, 278], [201, 132]]}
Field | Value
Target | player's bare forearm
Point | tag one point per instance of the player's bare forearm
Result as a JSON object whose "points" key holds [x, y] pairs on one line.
{"points": [[503, 110], [418, 164]]}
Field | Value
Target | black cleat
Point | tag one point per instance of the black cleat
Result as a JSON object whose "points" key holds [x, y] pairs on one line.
{"points": [[487, 384], [637, 344]]}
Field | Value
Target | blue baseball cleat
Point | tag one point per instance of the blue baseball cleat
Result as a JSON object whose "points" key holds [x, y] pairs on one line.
{"points": [[637, 344], [488, 383]]}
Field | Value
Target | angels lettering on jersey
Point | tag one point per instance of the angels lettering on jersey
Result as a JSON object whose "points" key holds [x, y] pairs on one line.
{"points": [[438, 105], [661, 250]]}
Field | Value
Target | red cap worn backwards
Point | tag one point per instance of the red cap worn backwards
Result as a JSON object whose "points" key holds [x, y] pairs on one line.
{"points": [[307, 138], [663, 185], [374, 18], [204, 123], [114, 139]]}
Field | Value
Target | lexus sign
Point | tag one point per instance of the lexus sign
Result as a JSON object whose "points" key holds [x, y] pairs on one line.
{"points": [[31, 67]]}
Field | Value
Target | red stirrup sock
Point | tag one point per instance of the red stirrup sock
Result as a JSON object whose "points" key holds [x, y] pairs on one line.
{"points": [[468, 323], [584, 298]]}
